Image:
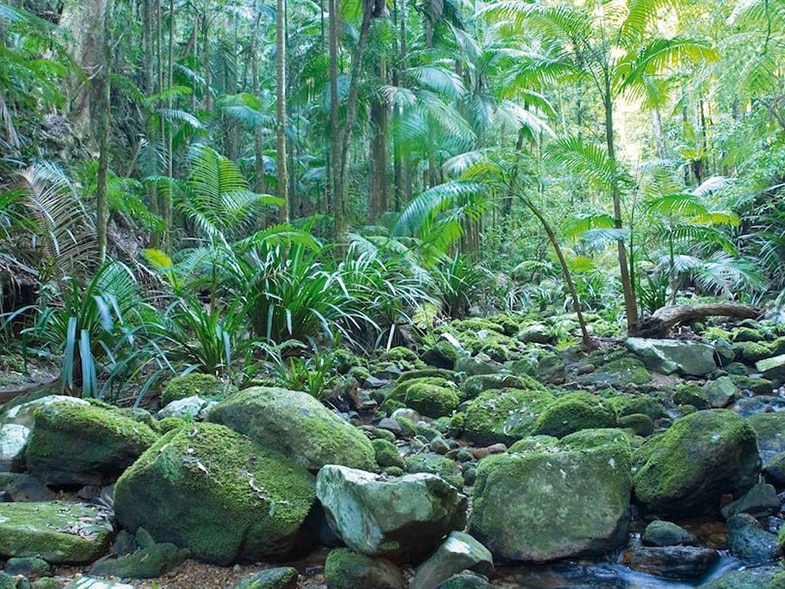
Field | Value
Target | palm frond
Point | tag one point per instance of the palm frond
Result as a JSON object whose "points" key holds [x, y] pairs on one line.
{"points": [[588, 159]]}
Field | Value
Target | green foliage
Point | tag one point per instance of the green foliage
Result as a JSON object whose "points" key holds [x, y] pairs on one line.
{"points": [[95, 327]]}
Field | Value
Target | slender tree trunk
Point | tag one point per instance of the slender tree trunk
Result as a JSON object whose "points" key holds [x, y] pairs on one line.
{"points": [[335, 128], [258, 128], [102, 96], [659, 135], [354, 90], [167, 197], [586, 340], [378, 201], [280, 87], [630, 302], [400, 65]]}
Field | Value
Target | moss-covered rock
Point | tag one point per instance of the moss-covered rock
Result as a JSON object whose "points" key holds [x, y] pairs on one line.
{"points": [[206, 386], [386, 453], [756, 385], [629, 405], [208, 489], [403, 519], [474, 385], [504, 415], [751, 352], [702, 456], [565, 501], [691, 394], [639, 423], [275, 578], [534, 444], [297, 425], [619, 372], [429, 396], [146, 563], [74, 444], [441, 355], [770, 430], [574, 412], [58, 532], [435, 464], [345, 569]]}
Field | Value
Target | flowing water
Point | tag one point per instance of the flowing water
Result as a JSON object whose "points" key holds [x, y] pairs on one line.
{"points": [[597, 575]]}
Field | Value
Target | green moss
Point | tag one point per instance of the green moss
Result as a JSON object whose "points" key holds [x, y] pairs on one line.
{"points": [[534, 444], [574, 412], [57, 531], [181, 387], [47, 583], [208, 489], [442, 355], [168, 424], [751, 352], [474, 385], [628, 370], [429, 396], [408, 427], [691, 394], [387, 453], [638, 423], [670, 469], [98, 443], [648, 406], [297, 425], [435, 464], [345, 569], [399, 354], [504, 415], [757, 385]]}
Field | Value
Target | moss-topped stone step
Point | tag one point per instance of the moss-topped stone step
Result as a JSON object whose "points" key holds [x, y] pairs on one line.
{"points": [[57, 531]]}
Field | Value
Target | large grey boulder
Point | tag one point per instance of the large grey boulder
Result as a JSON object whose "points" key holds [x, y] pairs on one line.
{"points": [[703, 456], [567, 500], [74, 444], [669, 356], [459, 552], [222, 496], [772, 368], [58, 532], [403, 519], [297, 425], [749, 542]]}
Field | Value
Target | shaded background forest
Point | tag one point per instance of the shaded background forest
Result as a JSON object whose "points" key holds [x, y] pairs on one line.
{"points": [[198, 183]]}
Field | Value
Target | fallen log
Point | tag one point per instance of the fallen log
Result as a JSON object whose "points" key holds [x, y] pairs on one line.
{"points": [[666, 318]]}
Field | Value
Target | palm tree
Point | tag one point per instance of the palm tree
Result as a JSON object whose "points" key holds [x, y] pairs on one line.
{"points": [[608, 45]]}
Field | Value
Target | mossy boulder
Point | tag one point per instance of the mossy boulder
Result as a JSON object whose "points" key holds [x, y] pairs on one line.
{"points": [[754, 384], [567, 501], [222, 496], [669, 356], [751, 352], [504, 415], [403, 519], [429, 396], [206, 386], [145, 563], [691, 394], [345, 569], [701, 457], [630, 405], [574, 412], [770, 429], [275, 578], [297, 425], [435, 464], [74, 444], [57, 531], [386, 453], [442, 354], [618, 373], [474, 385]]}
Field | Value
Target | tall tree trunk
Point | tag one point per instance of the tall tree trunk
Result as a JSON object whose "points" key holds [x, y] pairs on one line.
{"points": [[280, 89], [351, 104], [102, 97], [630, 302], [83, 20], [339, 218], [378, 201], [150, 81], [400, 65], [258, 128], [166, 205]]}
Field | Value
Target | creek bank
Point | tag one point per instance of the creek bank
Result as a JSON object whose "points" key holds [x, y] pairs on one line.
{"points": [[563, 455]]}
